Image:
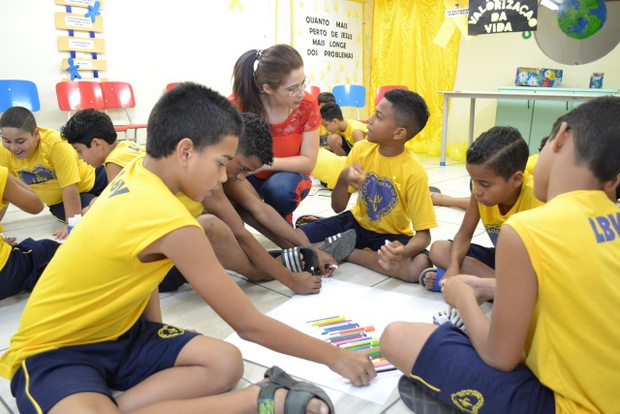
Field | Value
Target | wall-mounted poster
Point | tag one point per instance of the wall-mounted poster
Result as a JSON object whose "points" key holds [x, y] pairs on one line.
{"points": [[502, 16], [328, 34]]}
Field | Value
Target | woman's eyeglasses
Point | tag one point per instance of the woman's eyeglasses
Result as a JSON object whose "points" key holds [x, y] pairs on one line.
{"points": [[297, 89]]}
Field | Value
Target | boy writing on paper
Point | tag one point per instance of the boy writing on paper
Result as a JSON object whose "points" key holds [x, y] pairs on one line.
{"points": [[550, 344]]}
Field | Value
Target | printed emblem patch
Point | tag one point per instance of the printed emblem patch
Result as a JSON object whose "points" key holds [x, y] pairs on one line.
{"points": [[468, 401], [168, 331], [379, 195]]}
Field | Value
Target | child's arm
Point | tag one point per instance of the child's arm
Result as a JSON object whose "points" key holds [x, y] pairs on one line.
{"points": [[500, 341], [152, 312], [219, 205], [462, 239], [358, 135], [353, 176], [112, 170], [72, 205], [191, 252], [22, 196]]}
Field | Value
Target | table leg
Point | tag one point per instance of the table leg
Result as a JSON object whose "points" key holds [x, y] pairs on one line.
{"points": [[472, 116], [444, 132]]}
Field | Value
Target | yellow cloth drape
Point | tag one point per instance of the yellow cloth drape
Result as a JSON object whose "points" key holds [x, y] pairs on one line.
{"points": [[403, 53]]}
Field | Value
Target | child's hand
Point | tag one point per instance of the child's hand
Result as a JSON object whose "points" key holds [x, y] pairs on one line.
{"points": [[391, 254], [9, 240], [355, 366], [455, 290], [327, 264], [61, 233], [305, 283], [354, 176]]}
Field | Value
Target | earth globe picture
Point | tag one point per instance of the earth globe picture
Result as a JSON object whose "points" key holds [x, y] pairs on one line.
{"points": [[581, 19]]}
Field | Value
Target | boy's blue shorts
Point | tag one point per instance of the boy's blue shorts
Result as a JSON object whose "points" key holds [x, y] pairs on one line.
{"points": [[449, 369], [101, 181], [483, 254], [319, 230], [45, 379]]}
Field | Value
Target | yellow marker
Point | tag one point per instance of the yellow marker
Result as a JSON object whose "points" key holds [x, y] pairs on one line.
{"points": [[328, 321]]}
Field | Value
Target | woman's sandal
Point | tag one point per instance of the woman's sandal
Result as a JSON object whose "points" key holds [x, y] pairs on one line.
{"points": [[297, 398], [438, 275], [299, 259], [419, 400], [340, 245]]}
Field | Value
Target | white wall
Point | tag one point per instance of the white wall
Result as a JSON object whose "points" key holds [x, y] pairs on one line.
{"points": [[488, 61], [150, 45], [147, 45]]}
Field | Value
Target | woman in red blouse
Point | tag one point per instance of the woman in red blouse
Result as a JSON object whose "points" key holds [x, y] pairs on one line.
{"points": [[271, 83]]}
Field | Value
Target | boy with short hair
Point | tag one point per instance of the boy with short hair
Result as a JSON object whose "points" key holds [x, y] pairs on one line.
{"points": [[322, 99], [393, 200], [21, 264], [343, 133], [47, 164], [84, 335], [91, 133], [501, 187], [542, 314]]}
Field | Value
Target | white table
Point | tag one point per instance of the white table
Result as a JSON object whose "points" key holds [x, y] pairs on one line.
{"points": [[473, 95]]}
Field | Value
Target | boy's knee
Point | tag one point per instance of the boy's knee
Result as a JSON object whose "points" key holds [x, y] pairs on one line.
{"points": [[390, 337], [439, 250]]}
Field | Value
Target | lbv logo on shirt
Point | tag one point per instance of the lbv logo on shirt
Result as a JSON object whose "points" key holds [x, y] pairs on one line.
{"points": [[39, 174], [605, 228], [379, 195]]}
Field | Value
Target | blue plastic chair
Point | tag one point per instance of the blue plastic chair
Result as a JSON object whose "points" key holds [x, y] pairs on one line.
{"points": [[350, 95], [14, 92]]}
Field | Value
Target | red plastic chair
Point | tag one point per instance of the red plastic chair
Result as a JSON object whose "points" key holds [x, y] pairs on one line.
{"points": [[171, 85], [78, 95], [381, 90], [117, 95], [314, 90]]}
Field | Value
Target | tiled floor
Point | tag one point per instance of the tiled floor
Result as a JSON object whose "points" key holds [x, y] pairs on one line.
{"points": [[185, 308]]}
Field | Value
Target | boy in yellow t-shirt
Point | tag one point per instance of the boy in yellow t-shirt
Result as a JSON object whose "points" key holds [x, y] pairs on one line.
{"points": [[551, 344], [21, 264], [394, 212], [88, 324], [47, 164], [501, 187], [92, 134], [343, 133]]}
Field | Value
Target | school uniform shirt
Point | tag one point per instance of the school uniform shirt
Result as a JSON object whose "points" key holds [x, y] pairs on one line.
{"points": [[5, 248], [53, 166], [124, 152], [493, 219], [573, 243], [95, 288], [394, 198], [352, 125]]}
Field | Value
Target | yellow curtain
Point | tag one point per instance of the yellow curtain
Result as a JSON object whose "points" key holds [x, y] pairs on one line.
{"points": [[403, 53]]}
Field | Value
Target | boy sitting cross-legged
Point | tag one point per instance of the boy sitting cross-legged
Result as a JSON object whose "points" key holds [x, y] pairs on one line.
{"points": [[501, 187], [394, 212], [83, 329]]}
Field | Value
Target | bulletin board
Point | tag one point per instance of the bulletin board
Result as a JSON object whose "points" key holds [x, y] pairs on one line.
{"points": [[329, 36]]}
